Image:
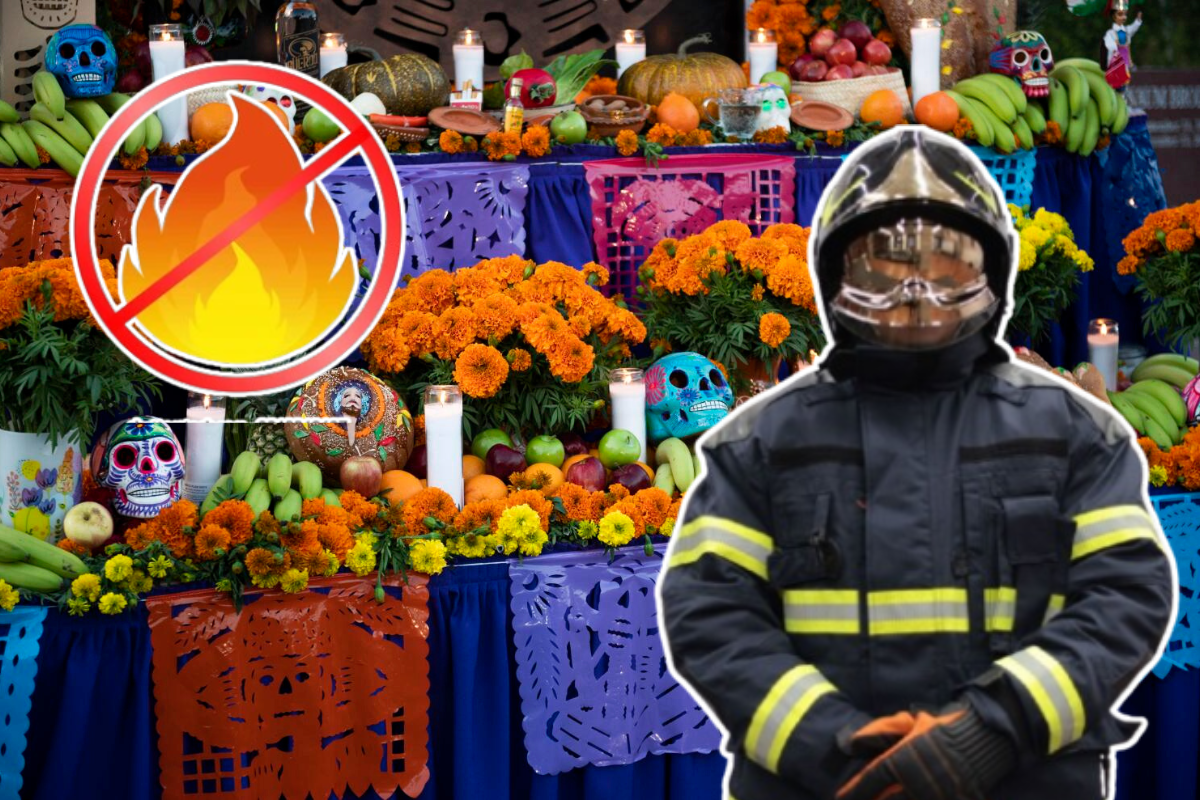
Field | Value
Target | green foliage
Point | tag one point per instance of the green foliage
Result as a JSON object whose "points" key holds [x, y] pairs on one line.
{"points": [[571, 73], [1170, 286], [1041, 295]]}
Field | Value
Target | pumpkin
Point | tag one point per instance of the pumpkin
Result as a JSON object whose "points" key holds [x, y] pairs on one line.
{"points": [[696, 76], [409, 84]]}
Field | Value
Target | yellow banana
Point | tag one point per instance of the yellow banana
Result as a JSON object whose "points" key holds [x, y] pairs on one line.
{"points": [[990, 96], [966, 108]]}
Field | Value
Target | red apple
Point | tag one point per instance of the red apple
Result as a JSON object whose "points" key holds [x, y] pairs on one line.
{"points": [[798, 65], [418, 462], [588, 473], [839, 73], [857, 32], [131, 82], [196, 54], [503, 461], [813, 71], [362, 474], [821, 41], [631, 476], [573, 444], [141, 60], [859, 68], [876, 52], [842, 52]]}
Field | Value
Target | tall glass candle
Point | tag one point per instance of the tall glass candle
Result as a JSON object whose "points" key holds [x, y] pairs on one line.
{"points": [[631, 48], [468, 59], [926, 63], [1103, 341], [628, 392], [333, 52], [443, 439], [763, 54], [167, 56], [203, 439]]}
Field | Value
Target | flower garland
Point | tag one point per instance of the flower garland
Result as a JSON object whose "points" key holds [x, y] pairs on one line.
{"points": [[1049, 264], [1163, 256]]}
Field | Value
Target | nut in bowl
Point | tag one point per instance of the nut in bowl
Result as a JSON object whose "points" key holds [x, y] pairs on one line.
{"points": [[609, 114]]}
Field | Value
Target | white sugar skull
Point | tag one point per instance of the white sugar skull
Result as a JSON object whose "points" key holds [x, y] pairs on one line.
{"points": [[49, 14], [273, 94], [143, 465], [776, 113]]}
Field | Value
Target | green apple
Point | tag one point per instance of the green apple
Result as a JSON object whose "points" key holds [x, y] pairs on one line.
{"points": [[486, 440], [569, 127], [545, 450], [779, 78], [319, 127], [619, 447]]}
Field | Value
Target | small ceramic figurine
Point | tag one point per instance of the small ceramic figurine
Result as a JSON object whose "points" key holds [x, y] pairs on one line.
{"points": [[686, 394], [83, 59], [1116, 43], [776, 113]]}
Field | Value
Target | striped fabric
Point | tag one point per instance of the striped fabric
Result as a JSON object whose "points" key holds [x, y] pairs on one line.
{"points": [[1053, 692], [1054, 607], [904, 611], [822, 611], [781, 711], [1108, 527], [1001, 609], [907, 611], [732, 541]]}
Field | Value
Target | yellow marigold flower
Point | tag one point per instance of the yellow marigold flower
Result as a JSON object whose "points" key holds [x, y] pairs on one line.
{"points": [[139, 582], [450, 142], [159, 567], [118, 568], [1159, 475], [516, 525], [1028, 256], [332, 565], [481, 370], [77, 606], [519, 360], [627, 143], [616, 529], [112, 603], [773, 329], [835, 138], [428, 556], [532, 542], [588, 530], [8, 596], [294, 580], [667, 528], [1016, 212], [87, 586], [1036, 235], [361, 559]]}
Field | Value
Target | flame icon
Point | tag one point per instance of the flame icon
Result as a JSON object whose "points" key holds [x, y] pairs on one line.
{"points": [[277, 289]]}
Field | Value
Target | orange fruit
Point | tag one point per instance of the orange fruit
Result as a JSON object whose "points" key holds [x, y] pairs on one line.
{"points": [[883, 107], [937, 110], [399, 485], [484, 487], [573, 459], [211, 122], [678, 112], [472, 466], [550, 476]]}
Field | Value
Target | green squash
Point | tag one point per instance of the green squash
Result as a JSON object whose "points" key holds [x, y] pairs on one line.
{"points": [[409, 84]]}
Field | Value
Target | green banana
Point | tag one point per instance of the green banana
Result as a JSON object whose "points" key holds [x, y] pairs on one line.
{"points": [[1105, 97], [1176, 376], [154, 132], [89, 112], [1135, 418], [1035, 118], [331, 498], [1091, 130], [8, 113], [1024, 134], [7, 157], [1164, 393], [1075, 133], [10, 552], [28, 576], [243, 471], [1160, 435], [221, 491], [289, 508], [968, 109], [18, 139], [696, 464], [989, 95], [675, 452], [47, 91], [308, 479], [135, 139], [279, 475], [69, 128], [1003, 138], [1154, 410], [43, 554], [258, 497], [663, 479], [111, 102], [1174, 359], [1058, 106], [1122, 115], [1007, 85], [61, 153], [1078, 91], [1082, 64]]}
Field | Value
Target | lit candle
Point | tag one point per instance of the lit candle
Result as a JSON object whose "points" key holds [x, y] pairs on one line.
{"points": [[631, 48], [925, 72], [628, 393], [443, 439], [763, 54], [202, 453], [167, 54], [1103, 342], [468, 59], [333, 52]]}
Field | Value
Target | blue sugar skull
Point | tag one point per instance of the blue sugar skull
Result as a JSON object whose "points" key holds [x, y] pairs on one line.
{"points": [[83, 59], [686, 394]]}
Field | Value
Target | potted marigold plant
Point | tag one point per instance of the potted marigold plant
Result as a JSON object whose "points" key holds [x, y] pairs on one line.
{"points": [[1162, 254], [744, 302], [58, 371], [1047, 272], [530, 345]]}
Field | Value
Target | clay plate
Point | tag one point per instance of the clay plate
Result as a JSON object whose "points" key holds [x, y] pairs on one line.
{"points": [[818, 116], [464, 120]]}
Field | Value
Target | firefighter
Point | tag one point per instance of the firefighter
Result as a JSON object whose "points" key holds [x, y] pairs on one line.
{"points": [[921, 571]]}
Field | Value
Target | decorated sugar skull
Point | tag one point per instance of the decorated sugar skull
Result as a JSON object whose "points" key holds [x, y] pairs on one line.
{"points": [[49, 14], [686, 394], [776, 112], [83, 59], [142, 463], [1025, 56], [273, 94]]}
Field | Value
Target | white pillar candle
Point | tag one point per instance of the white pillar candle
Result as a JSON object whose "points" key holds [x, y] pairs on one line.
{"points": [[926, 63], [333, 52], [167, 56], [443, 439], [1103, 341], [763, 54], [628, 393], [204, 439], [468, 59], [631, 48]]}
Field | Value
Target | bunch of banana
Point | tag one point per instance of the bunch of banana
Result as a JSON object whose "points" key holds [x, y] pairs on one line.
{"points": [[257, 483], [999, 111], [1152, 404], [1083, 104], [27, 562], [677, 466]]}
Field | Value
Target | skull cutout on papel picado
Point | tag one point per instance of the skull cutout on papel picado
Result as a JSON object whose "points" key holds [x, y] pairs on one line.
{"points": [[686, 394], [143, 465], [83, 59]]}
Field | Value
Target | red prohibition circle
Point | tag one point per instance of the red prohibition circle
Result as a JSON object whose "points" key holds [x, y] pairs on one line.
{"points": [[267, 379]]}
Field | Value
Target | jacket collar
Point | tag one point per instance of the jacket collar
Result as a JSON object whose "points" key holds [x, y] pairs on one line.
{"points": [[906, 370]]}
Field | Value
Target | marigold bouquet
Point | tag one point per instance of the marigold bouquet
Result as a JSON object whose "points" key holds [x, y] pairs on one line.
{"points": [[1048, 269], [732, 297], [1162, 253]]}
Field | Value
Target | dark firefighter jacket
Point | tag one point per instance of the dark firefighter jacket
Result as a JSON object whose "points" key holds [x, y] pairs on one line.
{"points": [[877, 537]]}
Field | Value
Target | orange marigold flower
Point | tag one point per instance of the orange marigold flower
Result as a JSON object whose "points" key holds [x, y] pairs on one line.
{"points": [[260, 561], [235, 516], [415, 330], [795, 237], [884, 36], [756, 294], [729, 234], [519, 360], [596, 85], [480, 370], [359, 510], [829, 13], [536, 141], [662, 134], [335, 538], [627, 143], [1181, 240], [77, 548], [592, 268], [451, 142], [312, 507], [303, 538], [776, 135], [697, 138], [661, 346], [333, 515], [1052, 135], [654, 503], [266, 524], [133, 162], [577, 502], [545, 331], [498, 145], [571, 359], [430, 502], [835, 138], [580, 326], [453, 331], [790, 279], [773, 329], [479, 514], [181, 514], [210, 539], [535, 500], [760, 254], [496, 316], [412, 147]]}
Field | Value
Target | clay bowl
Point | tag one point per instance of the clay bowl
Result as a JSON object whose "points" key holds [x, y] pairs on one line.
{"points": [[464, 120], [817, 116], [607, 122], [405, 134]]}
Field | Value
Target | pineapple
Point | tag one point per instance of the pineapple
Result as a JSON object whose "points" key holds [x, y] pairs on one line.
{"points": [[264, 438]]}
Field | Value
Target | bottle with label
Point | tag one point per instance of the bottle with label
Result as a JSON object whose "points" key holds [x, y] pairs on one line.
{"points": [[296, 34], [514, 109]]}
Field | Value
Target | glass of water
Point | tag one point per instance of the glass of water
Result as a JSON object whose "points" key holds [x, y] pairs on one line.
{"points": [[737, 112]]}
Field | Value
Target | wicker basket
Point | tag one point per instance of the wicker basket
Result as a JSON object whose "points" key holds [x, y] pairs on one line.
{"points": [[209, 94], [850, 93]]}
